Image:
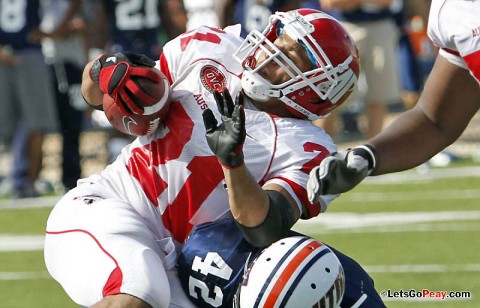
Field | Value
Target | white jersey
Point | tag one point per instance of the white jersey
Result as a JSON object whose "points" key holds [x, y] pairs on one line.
{"points": [[172, 177], [201, 13], [454, 26]]}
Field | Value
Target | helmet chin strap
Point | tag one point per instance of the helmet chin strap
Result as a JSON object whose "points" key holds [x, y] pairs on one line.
{"points": [[309, 115], [256, 88]]}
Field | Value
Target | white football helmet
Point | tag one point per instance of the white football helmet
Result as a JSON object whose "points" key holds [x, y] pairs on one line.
{"points": [[311, 94], [293, 272]]}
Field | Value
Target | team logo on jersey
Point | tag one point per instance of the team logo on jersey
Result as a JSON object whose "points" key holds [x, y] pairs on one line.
{"points": [[212, 78]]}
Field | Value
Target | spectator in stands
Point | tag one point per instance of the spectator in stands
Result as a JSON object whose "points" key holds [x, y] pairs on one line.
{"points": [[372, 26], [28, 106], [64, 50]]}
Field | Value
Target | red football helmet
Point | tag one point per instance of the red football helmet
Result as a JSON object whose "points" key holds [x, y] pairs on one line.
{"points": [[311, 94]]}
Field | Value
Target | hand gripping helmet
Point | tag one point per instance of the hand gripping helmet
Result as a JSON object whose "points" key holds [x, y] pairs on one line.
{"points": [[311, 94], [293, 272]]}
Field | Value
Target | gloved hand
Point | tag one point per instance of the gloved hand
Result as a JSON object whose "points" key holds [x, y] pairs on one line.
{"points": [[340, 172], [226, 140], [116, 76]]}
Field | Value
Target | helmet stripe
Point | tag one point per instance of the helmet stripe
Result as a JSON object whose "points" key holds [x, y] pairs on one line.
{"points": [[319, 15], [304, 270], [288, 271], [275, 270]]}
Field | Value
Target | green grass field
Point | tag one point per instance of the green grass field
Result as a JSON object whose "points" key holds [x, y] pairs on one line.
{"points": [[409, 231]]}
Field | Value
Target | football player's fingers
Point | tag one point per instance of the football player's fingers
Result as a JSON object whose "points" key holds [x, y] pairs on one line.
{"points": [[326, 166], [139, 93], [209, 120], [126, 97], [115, 77], [313, 186], [238, 118], [122, 106], [219, 99], [328, 172], [227, 102], [148, 73], [239, 99], [139, 59]]}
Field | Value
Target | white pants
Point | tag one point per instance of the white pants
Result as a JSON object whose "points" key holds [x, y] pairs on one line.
{"points": [[96, 247]]}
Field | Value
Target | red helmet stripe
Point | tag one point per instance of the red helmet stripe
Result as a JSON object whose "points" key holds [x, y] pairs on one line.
{"points": [[308, 248]]}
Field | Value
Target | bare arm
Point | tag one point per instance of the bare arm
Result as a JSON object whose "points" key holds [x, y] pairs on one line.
{"points": [[264, 214], [450, 99], [91, 92], [248, 201]]}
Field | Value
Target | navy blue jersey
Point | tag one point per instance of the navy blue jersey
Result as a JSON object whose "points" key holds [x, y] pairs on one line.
{"points": [[362, 14], [215, 256], [253, 14], [134, 25], [212, 262], [17, 19]]}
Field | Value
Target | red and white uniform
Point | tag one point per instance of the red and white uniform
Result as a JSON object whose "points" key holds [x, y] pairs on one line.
{"points": [[454, 26], [119, 229]]}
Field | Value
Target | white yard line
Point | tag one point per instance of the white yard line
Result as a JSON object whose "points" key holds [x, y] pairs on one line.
{"points": [[389, 222], [423, 227], [21, 242], [24, 275], [412, 176], [28, 203], [422, 268], [446, 194]]}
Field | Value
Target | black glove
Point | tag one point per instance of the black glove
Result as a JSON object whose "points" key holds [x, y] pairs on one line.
{"points": [[340, 172], [226, 140], [116, 76]]}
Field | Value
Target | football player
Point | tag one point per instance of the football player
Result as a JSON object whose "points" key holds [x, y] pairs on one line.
{"points": [[217, 267], [450, 98], [113, 240]]}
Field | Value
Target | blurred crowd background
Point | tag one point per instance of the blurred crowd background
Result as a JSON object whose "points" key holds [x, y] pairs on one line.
{"points": [[49, 138]]}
